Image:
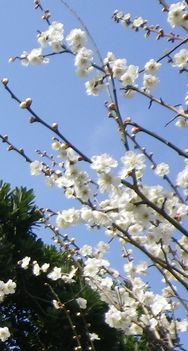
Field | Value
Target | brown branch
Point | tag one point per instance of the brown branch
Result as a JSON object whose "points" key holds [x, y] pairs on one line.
{"points": [[157, 100], [149, 156], [11, 147], [157, 209], [156, 136], [153, 258], [53, 128]]}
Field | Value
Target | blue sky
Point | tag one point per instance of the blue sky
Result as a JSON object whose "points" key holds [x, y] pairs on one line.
{"points": [[59, 95]]}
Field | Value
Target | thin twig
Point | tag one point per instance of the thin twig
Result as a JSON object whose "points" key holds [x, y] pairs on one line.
{"points": [[53, 129], [156, 136], [157, 100]]}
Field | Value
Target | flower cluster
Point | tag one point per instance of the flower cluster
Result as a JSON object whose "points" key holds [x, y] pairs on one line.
{"points": [[114, 196], [180, 59], [6, 288], [37, 270], [53, 37], [177, 15], [55, 274], [4, 333], [150, 80]]}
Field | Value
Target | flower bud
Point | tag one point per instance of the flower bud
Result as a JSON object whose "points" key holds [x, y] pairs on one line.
{"points": [[54, 126], [23, 104], [28, 102], [135, 130], [5, 81]]}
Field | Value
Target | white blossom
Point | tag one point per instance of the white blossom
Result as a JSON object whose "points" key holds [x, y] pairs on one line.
{"points": [[94, 86], [150, 81], [180, 59], [76, 39], [45, 267], [86, 250], [103, 163], [83, 59], [56, 304], [152, 66], [35, 57], [36, 168], [55, 274], [36, 268], [159, 304], [94, 336], [138, 22], [119, 67], [82, 303], [53, 37], [93, 266], [131, 161], [162, 169], [4, 334], [130, 75], [176, 14], [9, 287], [182, 179], [182, 122], [67, 218], [24, 263]]}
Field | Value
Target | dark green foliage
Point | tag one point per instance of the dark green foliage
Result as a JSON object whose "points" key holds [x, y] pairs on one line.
{"points": [[33, 322]]}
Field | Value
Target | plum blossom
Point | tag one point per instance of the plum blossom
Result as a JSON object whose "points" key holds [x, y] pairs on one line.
{"points": [[103, 163], [82, 303], [180, 59], [4, 334], [150, 81], [132, 270], [138, 22], [36, 168], [24, 263], [36, 268], [67, 218], [94, 86], [94, 336], [53, 37], [177, 14], [182, 179], [160, 304], [93, 266], [130, 75], [76, 39], [152, 66], [106, 180], [9, 287], [56, 304], [119, 67], [83, 60], [45, 267], [35, 57], [181, 122], [162, 169], [86, 250], [55, 274], [131, 161]]}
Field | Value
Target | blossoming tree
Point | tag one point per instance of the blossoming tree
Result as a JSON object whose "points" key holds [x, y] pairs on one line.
{"points": [[27, 306], [135, 200]]}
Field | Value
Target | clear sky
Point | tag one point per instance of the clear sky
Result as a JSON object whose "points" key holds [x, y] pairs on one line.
{"points": [[59, 95]]}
